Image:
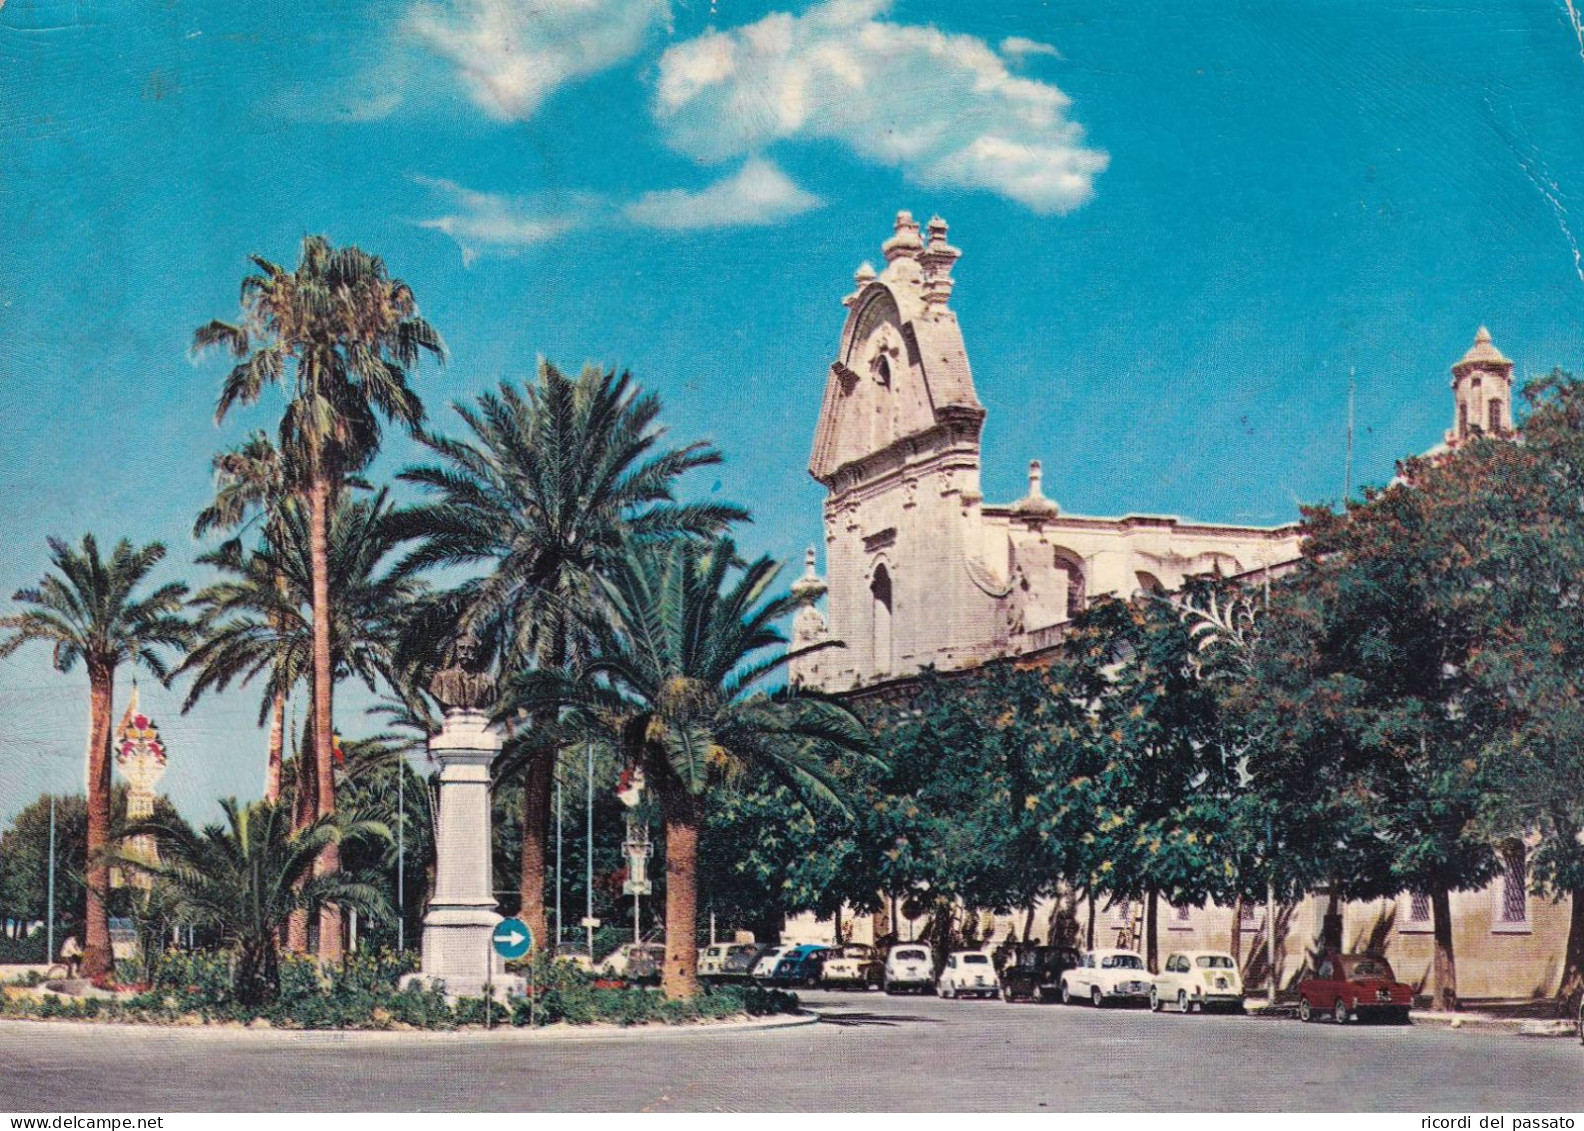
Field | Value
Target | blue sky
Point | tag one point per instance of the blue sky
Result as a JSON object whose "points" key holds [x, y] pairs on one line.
{"points": [[1182, 224]]}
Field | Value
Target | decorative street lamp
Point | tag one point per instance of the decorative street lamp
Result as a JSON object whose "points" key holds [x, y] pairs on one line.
{"points": [[141, 757]]}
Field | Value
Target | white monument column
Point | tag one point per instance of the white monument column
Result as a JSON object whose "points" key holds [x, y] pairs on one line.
{"points": [[456, 938]]}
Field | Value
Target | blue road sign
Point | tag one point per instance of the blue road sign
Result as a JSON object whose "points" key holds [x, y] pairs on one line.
{"points": [[512, 938]]}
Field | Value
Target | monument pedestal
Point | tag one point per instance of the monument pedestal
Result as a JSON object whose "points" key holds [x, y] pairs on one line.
{"points": [[457, 952]]}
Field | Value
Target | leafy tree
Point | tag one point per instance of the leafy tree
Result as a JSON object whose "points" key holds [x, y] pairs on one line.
{"points": [[90, 609], [553, 476], [24, 850], [1369, 751], [341, 335], [244, 878], [673, 680]]}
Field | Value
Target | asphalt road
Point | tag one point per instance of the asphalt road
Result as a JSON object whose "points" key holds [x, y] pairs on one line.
{"points": [[870, 1053]]}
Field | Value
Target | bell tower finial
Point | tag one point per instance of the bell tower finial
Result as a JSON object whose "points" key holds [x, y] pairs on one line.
{"points": [[1481, 392]]}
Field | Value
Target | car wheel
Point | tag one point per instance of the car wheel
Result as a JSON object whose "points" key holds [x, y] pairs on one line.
{"points": [[1339, 1012], [885, 988], [1305, 1010], [1094, 997], [1182, 1001], [1155, 1001], [1066, 994]]}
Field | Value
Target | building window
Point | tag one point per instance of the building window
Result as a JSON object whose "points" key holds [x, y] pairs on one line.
{"points": [[1514, 885], [1072, 566], [880, 591], [1495, 417], [1419, 908], [1250, 911]]}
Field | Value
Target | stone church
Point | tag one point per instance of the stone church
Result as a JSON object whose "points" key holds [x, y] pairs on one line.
{"points": [[920, 570]]}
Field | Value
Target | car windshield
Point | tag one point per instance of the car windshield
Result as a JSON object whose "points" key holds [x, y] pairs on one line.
{"points": [[855, 952], [1213, 962], [1121, 962], [911, 955], [743, 951], [975, 960], [1368, 968]]}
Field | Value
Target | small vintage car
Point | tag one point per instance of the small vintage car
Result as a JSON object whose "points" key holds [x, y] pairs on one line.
{"points": [[639, 963], [1033, 973], [764, 966], [1107, 975], [799, 966], [968, 973], [854, 966], [1349, 987], [909, 967], [1191, 980], [739, 962]]}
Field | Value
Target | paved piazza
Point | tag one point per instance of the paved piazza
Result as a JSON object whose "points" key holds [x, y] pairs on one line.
{"points": [[871, 1053]]}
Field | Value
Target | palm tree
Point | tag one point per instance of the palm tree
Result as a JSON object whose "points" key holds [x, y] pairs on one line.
{"points": [[250, 484], [553, 478], [675, 681], [89, 610], [246, 877], [341, 334]]}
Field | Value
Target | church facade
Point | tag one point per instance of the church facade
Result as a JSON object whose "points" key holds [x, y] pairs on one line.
{"points": [[921, 570]]}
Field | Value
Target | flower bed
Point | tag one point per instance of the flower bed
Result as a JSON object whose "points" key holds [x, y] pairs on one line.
{"points": [[196, 990]]}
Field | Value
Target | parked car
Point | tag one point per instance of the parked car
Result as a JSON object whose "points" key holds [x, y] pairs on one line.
{"points": [[854, 966], [968, 973], [576, 954], [764, 965], [739, 962], [1107, 975], [1033, 973], [712, 960], [799, 966], [1194, 979], [1350, 987], [909, 967], [639, 963]]}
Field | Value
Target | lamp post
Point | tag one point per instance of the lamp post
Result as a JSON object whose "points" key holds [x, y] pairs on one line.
{"points": [[49, 926], [558, 862], [401, 853]]}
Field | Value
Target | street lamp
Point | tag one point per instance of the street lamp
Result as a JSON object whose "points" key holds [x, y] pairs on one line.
{"points": [[638, 848]]}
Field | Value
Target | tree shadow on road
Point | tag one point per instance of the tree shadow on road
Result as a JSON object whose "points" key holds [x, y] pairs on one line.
{"points": [[887, 1020]]}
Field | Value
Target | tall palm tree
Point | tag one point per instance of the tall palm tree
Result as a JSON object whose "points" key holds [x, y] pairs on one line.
{"points": [[246, 877], [341, 335], [553, 478], [691, 634], [250, 484], [90, 609]]}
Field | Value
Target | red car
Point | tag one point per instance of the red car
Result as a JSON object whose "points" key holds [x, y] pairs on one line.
{"points": [[1349, 987]]}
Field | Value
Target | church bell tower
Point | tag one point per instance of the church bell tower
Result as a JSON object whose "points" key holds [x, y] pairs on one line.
{"points": [[1481, 392]]}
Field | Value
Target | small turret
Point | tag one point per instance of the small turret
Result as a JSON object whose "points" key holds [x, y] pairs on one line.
{"points": [[1034, 508], [937, 259], [905, 240], [1481, 392], [808, 626]]}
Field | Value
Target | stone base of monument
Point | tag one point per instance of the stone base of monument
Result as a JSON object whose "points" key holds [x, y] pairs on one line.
{"points": [[459, 957]]}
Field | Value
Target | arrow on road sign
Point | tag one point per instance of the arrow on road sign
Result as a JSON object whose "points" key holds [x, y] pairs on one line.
{"points": [[512, 938]]}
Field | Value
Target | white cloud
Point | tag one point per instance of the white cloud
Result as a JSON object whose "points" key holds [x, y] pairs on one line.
{"points": [[492, 223], [512, 54], [943, 108], [758, 193], [1018, 47]]}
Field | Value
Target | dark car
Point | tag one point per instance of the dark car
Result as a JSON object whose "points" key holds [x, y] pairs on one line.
{"points": [[799, 966], [1033, 973], [1350, 987], [739, 962]]}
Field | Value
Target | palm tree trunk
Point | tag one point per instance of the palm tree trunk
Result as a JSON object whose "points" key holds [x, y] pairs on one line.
{"points": [[1445, 969], [330, 942], [683, 814], [538, 790], [277, 748], [302, 816], [98, 960]]}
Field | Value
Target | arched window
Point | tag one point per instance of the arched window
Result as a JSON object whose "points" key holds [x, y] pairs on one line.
{"points": [[1463, 418], [883, 371], [1071, 564], [1495, 410], [1148, 582], [880, 592]]}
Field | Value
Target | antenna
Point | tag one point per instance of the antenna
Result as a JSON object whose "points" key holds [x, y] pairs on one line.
{"points": [[1347, 474]]}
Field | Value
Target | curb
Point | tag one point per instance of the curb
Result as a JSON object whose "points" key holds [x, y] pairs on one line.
{"points": [[1478, 1022], [553, 1033]]}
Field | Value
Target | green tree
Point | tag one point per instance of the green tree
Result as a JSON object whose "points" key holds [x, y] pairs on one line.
{"points": [[243, 879], [90, 609], [341, 335], [691, 634], [24, 849], [550, 480]]}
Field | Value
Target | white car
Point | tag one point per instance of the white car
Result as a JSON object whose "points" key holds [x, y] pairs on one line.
{"points": [[764, 968], [968, 973], [909, 966], [712, 959], [1193, 979], [637, 962], [1107, 975]]}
